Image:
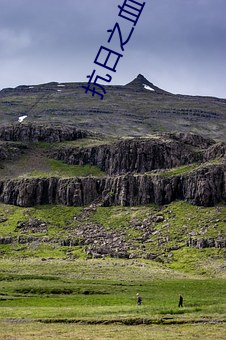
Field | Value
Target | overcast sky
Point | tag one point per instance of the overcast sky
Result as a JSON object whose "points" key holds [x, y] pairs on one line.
{"points": [[179, 45]]}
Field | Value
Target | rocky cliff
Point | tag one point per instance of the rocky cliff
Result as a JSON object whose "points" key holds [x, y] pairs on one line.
{"points": [[191, 139], [134, 169], [37, 132], [215, 151], [132, 155], [205, 186]]}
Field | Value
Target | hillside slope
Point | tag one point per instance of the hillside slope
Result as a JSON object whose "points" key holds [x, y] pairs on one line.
{"points": [[138, 108]]}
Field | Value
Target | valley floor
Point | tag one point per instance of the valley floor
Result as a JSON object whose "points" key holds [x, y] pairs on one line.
{"points": [[96, 299], [36, 331]]}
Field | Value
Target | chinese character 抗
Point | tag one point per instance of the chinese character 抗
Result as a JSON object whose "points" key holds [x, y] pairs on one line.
{"points": [[93, 90], [131, 13], [120, 35], [107, 58]]}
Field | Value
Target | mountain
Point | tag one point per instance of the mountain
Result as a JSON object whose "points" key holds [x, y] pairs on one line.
{"points": [[100, 199], [109, 178], [140, 83], [139, 108]]}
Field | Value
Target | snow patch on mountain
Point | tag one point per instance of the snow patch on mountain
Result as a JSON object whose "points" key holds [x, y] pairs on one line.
{"points": [[148, 87], [21, 118]]}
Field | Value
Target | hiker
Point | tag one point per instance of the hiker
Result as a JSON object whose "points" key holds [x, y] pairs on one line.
{"points": [[139, 299], [180, 301]]}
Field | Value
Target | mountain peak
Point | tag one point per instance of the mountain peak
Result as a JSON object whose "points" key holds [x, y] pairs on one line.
{"points": [[140, 83], [141, 77]]}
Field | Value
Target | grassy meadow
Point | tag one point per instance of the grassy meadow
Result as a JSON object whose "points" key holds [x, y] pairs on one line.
{"points": [[96, 299], [52, 291]]}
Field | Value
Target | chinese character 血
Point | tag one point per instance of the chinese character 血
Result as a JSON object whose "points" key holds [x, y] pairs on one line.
{"points": [[130, 12]]}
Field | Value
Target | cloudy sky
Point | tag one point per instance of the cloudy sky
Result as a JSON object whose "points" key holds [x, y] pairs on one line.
{"points": [[179, 45]]}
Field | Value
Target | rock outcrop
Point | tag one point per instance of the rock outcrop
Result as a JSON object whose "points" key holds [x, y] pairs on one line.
{"points": [[37, 132], [215, 151], [219, 242], [191, 139], [205, 186], [139, 155], [133, 168], [11, 151]]}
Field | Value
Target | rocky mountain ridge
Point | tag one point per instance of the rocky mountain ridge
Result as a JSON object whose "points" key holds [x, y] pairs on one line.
{"points": [[138, 108], [166, 169], [140, 83]]}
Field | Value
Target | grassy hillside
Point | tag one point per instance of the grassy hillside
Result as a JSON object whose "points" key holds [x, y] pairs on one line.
{"points": [[36, 162], [179, 221], [125, 110]]}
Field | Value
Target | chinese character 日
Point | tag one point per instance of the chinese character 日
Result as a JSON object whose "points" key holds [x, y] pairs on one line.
{"points": [[130, 10], [107, 58]]}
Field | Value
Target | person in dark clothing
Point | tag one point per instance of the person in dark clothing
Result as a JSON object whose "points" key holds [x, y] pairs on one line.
{"points": [[139, 299], [180, 301]]}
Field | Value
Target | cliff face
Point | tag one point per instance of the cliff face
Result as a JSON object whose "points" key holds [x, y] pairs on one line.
{"points": [[202, 187], [35, 133], [131, 155], [215, 151], [191, 139], [206, 187], [125, 163]]}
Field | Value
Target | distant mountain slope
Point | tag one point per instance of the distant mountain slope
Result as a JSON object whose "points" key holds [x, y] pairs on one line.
{"points": [[141, 83], [137, 109]]}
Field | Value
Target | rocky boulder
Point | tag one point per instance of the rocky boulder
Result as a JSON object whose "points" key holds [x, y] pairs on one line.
{"points": [[201, 243]]}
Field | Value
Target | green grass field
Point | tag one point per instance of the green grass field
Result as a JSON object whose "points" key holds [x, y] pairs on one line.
{"points": [[38, 331], [60, 169], [53, 291], [96, 299]]}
